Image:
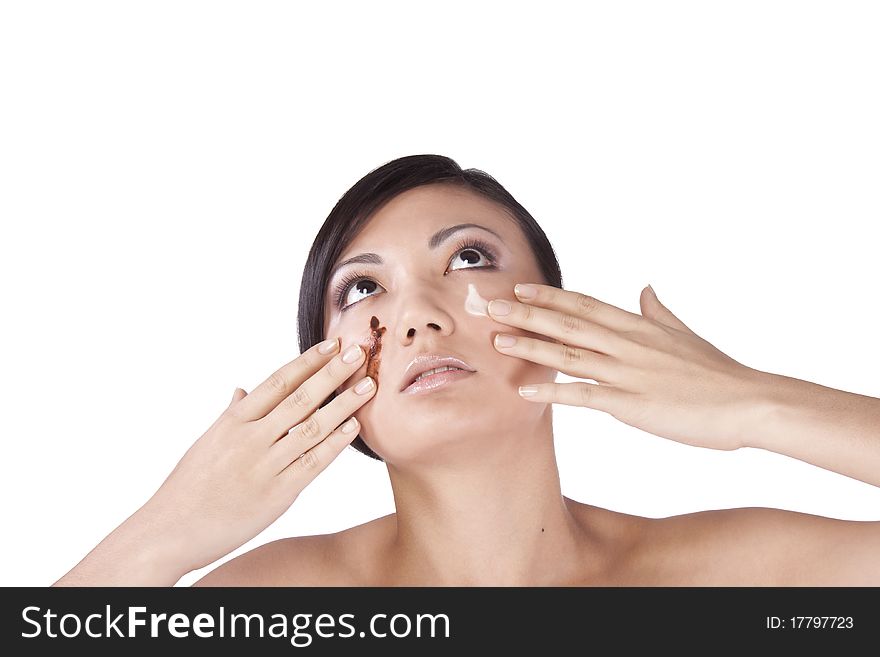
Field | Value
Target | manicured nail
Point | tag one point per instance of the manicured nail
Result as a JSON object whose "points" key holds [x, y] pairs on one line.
{"points": [[524, 291], [328, 346], [350, 425], [528, 391], [352, 354], [499, 307], [364, 386], [503, 340]]}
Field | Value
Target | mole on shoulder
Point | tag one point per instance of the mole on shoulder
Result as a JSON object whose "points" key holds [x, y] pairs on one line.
{"points": [[374, 355]]}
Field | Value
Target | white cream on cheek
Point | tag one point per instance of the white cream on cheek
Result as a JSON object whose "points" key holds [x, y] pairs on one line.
{"points": [[474, 303]]}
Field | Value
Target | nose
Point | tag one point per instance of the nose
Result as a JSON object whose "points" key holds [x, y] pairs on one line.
{"points": [[420, 315], [411, 332]]}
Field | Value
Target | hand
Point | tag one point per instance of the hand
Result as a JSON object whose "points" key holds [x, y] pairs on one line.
{"points": [[247, 469], [651, 371]]}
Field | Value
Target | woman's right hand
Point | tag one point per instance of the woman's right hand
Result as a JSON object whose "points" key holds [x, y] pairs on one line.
{"points": [[246, 469]]}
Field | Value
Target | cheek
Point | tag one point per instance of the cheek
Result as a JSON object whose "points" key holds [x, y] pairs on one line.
{"points": [[474, 303]]}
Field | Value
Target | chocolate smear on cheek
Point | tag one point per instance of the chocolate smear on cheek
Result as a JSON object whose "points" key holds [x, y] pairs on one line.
{"points": [[375, 351]]}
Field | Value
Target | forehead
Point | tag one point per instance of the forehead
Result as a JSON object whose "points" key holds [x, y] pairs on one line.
{"points": [[424, 210]]}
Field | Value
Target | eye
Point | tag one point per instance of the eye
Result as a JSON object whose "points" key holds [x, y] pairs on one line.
{"points": [[469, 256], [473, 252], [346, 293]]}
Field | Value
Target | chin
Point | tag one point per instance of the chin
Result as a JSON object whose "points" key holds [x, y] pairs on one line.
{"points": [[422, 437], [431, 450]]}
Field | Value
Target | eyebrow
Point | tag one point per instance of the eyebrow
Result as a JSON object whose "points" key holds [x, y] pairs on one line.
{"points": [[435, 240]]}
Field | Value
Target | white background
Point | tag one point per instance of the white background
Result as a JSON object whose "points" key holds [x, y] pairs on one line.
{"points": [[164, 167]]}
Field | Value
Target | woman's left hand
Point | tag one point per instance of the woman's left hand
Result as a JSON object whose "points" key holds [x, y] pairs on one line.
{"points": [[651, 371]]}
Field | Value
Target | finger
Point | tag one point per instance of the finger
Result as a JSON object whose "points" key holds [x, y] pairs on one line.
{"points": [[311, 394], [238, 394], [300, 473], [319, 424], [579, 305], [589, 395], [282, 382], [570, 329], [570, 360], [654, 309]]}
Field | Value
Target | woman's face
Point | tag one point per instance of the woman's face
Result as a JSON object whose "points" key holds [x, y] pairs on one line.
{"points": [[427, 294]]}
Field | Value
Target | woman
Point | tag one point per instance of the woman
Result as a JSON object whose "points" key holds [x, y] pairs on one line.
{"points": [[395, 286]]}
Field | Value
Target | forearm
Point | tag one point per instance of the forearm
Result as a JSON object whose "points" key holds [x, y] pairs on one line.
{"points": [[137, 553], [833, 429]]}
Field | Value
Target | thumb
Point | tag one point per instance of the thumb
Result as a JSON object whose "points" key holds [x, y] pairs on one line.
{"points": [[238, 394], [653, 309]]}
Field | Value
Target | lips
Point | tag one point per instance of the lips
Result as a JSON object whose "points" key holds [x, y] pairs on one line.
{"points": [[435, 380], [425, 362]]}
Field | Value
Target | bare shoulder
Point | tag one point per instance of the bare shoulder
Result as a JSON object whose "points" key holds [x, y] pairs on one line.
{"points": [[612, 543], [344, 558], [623, 530], [759, 546]]}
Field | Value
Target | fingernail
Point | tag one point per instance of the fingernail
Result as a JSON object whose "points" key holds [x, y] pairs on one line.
{"points": [[350, 425], [328, 346], [351, 354], [528, 391], [499, 307], [524, 291], [364, 386], [503, 340]]}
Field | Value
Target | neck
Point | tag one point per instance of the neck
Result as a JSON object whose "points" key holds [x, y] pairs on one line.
{"points": [[494, 518]]}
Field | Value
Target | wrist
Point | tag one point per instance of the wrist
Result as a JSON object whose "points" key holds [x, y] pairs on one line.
{"points": [[166, 545], [773, 397], [158, 557]]}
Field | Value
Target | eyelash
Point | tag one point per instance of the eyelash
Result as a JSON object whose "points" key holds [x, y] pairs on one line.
{"points": [[340, 291]]}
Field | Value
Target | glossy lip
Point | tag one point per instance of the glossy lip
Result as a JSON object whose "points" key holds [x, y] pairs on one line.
{"points": [[434, 381], [425, 362]]}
